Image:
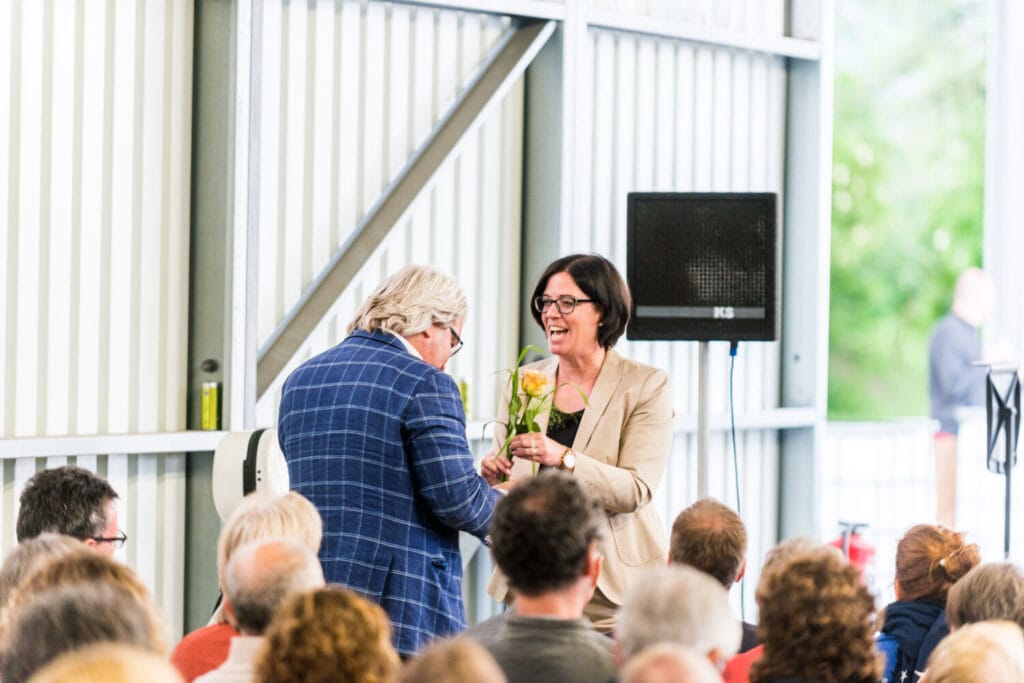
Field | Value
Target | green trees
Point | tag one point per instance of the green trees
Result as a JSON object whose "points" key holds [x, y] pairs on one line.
{"points": [[908, 179]]}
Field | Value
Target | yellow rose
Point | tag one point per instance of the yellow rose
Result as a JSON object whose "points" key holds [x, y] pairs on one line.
{"points": [[534, 382]]}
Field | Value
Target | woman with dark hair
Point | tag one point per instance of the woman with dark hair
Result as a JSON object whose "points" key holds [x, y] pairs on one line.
{"points": [[929, 560], [610, 422]]}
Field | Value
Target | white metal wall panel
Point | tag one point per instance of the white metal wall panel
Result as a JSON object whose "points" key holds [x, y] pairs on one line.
{"points": [[467, 224], [667, 115], [384, 76], [95, 120], [763, 17], [348, 91], [679, 117], [150, 509]]}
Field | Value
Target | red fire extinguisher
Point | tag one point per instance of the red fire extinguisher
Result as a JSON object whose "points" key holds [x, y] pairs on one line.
{"points": [[856, 549]]}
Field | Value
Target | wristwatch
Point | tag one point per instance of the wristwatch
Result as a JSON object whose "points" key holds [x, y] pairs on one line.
{"points": [[568, 462]]}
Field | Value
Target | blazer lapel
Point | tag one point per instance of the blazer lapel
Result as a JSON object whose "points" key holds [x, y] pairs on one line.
{"points": [[604, 391]]}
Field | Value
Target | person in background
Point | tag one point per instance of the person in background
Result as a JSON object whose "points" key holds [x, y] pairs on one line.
{"points": [[329, 635], [737, 670], [984, 652], [609, 426], [453, 660], [374, 433], [954, 380], [681, 605], [108, 663], [260, 575], [930, 559], [28, 556], [710, 536], [259, 516], [546, 539], [989, 591], [76, 570], [69, 617], [669, 663], [72, 501], [815, 622]]}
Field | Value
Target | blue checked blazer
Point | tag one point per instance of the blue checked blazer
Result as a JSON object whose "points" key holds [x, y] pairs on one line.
{"points": [[376, 438]]}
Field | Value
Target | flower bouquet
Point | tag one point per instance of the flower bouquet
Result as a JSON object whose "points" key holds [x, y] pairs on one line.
{"points": [[529, 396]]}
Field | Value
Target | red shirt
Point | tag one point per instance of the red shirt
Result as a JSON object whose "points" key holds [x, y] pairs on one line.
{"points": [[203, 650], [737, 670]]}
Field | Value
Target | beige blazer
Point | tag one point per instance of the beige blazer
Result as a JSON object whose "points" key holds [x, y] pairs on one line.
{"points": [[623, 444]]}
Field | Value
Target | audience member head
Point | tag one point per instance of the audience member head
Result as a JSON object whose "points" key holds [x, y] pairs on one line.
{"points": [[929, 560], [815, 621], [28, 556], [328, 635], [261, 574], [80, 569], [682, 605], [710, 536], [453, 660], [978, 653], [545, 534], [67, 618], [989, 591], [411, 301], [792, 547], [669, 663], [72, 501], [261, 516], [974, 297], [108, 663]]}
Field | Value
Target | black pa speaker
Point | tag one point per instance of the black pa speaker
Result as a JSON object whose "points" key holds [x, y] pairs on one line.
{"points": [[702, 266]]}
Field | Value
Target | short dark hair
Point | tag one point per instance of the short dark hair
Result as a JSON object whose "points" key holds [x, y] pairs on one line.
{"points": [[66, 500], [710, 537], [542, 531], [600, 281]]}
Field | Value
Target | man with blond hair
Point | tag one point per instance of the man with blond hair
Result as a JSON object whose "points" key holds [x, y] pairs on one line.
{"points": [[374, 434]]}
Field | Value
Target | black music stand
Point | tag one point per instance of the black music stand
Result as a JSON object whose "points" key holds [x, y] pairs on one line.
{"points": [[1002, 409]]}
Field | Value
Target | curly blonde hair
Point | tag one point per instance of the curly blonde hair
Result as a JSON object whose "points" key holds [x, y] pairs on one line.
{"points": [[330, 635], [816, 621], [930, 559]]}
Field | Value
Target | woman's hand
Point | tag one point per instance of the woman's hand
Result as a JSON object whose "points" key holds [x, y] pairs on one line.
{"points": [[538, 448], [495, 468]]}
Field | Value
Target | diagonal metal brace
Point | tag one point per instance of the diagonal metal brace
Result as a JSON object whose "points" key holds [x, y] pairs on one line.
{"points": [[515, 51]]}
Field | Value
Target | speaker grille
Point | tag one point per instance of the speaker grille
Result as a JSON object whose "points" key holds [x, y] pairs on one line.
{"points": [[702, 266]]}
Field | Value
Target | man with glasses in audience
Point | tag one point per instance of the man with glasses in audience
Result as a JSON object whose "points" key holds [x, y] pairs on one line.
{"points": [[72, 501], [374, 434]]}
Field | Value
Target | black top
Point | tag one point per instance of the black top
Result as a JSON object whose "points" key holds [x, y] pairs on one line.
{"points": [[562, 427]]}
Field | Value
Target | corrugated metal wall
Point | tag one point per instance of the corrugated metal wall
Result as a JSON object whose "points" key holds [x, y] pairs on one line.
{"points": [[668, 115], [95, 135], [348, 91], [94, 176], [764, 17], [95, 121]]}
